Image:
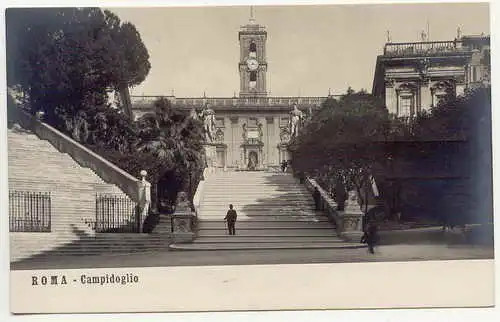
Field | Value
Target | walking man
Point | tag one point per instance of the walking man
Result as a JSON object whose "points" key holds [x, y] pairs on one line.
{"points": [[231, 220], [370, 237]]}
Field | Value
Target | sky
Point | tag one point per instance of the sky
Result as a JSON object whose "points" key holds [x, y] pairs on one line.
{"points": [[310, 49]]}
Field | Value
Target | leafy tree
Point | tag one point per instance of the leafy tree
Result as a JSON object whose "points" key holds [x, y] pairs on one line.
{"points": [[341, 141], [453, 141], [67, 59]]}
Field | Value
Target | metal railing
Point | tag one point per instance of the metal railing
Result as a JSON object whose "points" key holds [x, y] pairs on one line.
{"points": [[29, 211], [116, 214]]}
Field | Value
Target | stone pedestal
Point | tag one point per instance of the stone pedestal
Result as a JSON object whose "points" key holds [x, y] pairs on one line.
{"points": [[183, 227], [352, 217], [210, 155], [183, 220]]}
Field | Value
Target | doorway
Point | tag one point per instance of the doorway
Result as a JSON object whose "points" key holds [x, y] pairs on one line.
{"points": [[253, 160], [221, 158]]}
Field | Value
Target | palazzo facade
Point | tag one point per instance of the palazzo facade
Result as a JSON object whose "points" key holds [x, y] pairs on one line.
{"points": [[415, 76], [250, 126]]}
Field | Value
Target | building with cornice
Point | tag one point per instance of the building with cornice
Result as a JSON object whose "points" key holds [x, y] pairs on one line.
{"points": [[252, 125], [415, 76]]}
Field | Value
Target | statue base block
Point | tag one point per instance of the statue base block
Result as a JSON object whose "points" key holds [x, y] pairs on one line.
{"points": [[352, 225], [210, 154]]}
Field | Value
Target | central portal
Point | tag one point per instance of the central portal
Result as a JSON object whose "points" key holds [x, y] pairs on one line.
{"points": [[253, 160]]}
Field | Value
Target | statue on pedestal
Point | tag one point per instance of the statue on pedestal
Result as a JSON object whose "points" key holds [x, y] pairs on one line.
{"points": [[296, 117], [207, 115]]}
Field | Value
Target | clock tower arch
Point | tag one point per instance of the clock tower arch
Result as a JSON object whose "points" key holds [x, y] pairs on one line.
{"points": [[253, 64]]}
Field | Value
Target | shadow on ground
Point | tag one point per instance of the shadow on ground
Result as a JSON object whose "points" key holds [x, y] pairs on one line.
{"points": [[104, 244]]}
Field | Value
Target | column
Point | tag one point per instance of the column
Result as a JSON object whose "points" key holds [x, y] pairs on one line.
{"points": [[235, 140], [269, 139], [425, 96], [391, 99], [276, 140]]}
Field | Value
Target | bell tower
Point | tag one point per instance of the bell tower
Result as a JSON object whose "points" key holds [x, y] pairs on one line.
{"points": [[252, 64]]}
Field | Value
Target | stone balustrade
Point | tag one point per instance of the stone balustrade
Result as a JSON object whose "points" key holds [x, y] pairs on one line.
{"points": [[199, 102], [348, 223], [327, 204], [424, 48]]}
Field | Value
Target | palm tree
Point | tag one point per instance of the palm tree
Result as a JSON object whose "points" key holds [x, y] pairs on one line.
{"points": [[174, 138]]}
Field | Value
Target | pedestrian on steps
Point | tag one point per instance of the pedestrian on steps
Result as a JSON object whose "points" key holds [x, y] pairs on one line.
{"points": [[231, 220], [370, 237], [283, 166], [317, 199]]}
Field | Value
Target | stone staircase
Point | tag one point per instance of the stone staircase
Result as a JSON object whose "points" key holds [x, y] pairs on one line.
{"points": [[274, 212], [35, 165]]}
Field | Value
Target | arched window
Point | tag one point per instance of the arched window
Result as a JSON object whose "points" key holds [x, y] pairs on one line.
{"points": [[253, 47], [253, 76]]}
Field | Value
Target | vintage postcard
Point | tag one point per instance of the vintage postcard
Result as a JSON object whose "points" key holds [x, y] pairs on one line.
{"points": [[250, 157]]}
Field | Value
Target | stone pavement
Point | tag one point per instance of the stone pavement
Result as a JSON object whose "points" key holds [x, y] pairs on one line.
{"points": [[158, 259]]}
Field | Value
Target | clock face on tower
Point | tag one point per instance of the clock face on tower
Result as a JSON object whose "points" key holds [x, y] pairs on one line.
{"points": [[252, 64]]}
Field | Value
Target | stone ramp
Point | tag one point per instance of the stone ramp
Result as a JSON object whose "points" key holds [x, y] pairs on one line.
{"points": [[274, 212], [37, 167]]}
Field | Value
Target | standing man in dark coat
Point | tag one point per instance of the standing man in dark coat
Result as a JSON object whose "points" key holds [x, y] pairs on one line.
{"points": [[231, 220], [370, 237], [317, 198]]}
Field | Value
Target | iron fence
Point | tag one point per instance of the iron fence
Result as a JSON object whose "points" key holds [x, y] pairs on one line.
{"points": [[116, 214], [29, 211]]}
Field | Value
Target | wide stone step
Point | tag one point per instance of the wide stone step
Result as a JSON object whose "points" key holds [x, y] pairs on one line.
{"points": [[88, 246], [261, 209], [252, 215], [271, 222], [27, 148], [255, 193], [40, 171], [262, 246], [236, 239], [246, 184], [275, 226], [259, 203], [324, 232], [26, 139], [63, 186], [97, 189]]}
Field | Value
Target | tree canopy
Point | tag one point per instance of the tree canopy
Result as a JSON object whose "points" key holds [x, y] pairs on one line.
{"points": [[65, 61], [340, 140], [68, 59], [437, 164]]}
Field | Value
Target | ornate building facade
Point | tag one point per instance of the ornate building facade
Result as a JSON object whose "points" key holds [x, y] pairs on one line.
{"points": [[415, 76], [251, 130]]}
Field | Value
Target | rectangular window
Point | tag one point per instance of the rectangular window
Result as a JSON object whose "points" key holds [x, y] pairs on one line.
{"points": [[406, 105], [284, 122]]}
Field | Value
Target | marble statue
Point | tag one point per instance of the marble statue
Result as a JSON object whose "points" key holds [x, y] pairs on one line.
{"points": [[207, 115], [193, 114], [296, 118]]}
